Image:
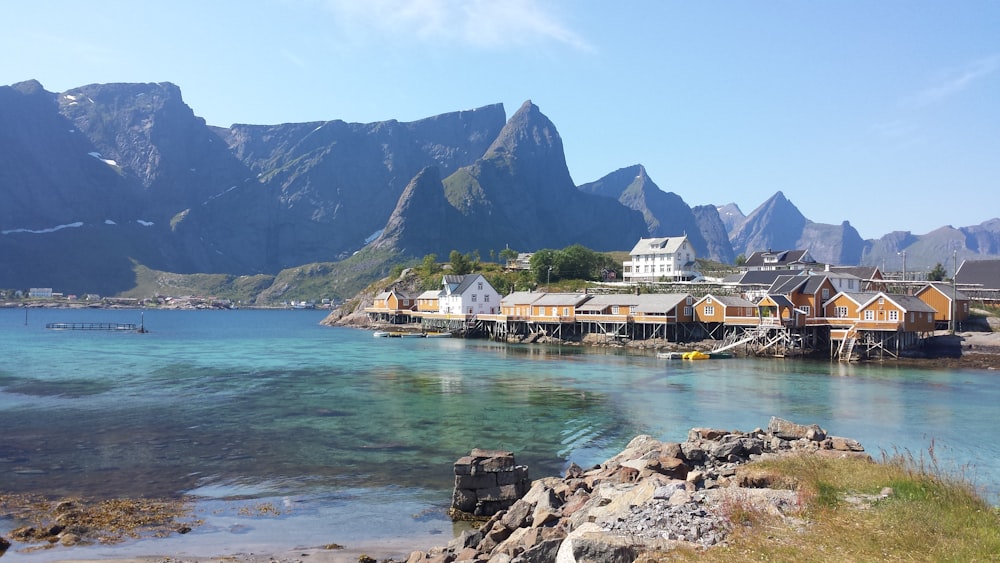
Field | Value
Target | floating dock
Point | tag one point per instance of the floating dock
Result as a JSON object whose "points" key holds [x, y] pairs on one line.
{"points": [[93, 326]]}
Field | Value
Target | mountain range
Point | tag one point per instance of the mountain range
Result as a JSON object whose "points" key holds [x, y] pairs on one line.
{"points": [[103, 178]]}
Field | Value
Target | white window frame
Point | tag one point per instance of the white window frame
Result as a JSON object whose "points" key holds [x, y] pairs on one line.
{"points": [[869, 315]]}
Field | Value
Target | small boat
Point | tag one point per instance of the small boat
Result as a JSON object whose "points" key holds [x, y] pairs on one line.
{"points": [[409, 334], [438, 335], [695, 355], [719, 355], [381, 334], [669, 355]]}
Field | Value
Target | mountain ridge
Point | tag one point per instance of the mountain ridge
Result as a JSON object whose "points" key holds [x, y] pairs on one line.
{"points": [[105, 176]]}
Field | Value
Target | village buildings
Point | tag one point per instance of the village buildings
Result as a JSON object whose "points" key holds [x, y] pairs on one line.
{"points": [[661, 259], [790, 304]]}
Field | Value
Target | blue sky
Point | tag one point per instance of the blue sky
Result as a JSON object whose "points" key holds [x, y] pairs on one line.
{"points": [[886, 114]]}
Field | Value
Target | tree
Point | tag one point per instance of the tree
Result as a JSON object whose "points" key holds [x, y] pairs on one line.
{"points": [[937, 274], [430, 265], [461, 264], [741, 260], [576, 262], [508, 255], [543, 264]]}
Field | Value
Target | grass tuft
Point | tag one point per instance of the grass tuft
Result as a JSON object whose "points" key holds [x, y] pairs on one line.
{"points": [[901, 509]]}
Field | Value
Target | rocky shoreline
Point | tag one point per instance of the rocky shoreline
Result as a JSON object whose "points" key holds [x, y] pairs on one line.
{"points": [[651, 498]]}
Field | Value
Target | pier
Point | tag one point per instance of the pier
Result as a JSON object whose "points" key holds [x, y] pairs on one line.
{"points": [[94, 326]]}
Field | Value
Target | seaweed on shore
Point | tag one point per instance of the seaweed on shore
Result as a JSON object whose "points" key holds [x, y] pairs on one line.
{"points": [[75, 521]]}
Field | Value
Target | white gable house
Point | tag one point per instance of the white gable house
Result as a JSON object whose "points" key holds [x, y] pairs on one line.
{"points": [[661, 259], [468, 295]]}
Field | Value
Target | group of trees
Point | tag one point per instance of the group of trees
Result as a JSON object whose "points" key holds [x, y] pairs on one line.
{"points": [[574, 262], [546, 266]]}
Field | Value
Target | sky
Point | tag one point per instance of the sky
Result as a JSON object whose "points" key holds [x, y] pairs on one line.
{"points": [[885, 114]]}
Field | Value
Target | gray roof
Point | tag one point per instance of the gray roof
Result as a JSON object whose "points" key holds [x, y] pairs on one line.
{"points": [[463, 283], [784, 257], [863, 272], [520, 298], [984, 273], [662, 245], [660, 302], [785, 284], [946, 289], [906, 302], [559, 299], [603, 301], [763, 277], [780, 300], [910, 303], [729, 300]]}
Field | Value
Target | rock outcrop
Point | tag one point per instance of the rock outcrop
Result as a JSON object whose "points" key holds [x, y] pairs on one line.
{"points": [[653, 496], [487, 482]]}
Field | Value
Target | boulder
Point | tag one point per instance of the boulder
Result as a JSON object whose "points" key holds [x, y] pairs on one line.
{"points": [[787, 430], [590, 544]]}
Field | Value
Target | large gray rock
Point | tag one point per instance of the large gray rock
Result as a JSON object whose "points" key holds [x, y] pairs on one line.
{"points": [[788, 430]]}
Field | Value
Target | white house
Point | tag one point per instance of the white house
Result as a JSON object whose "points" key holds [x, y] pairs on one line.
{"points": [[661, 259], [467, 295]]}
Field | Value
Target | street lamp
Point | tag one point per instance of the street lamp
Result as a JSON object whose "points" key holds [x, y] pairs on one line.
{"points": [[903, 254], [548, 278]]}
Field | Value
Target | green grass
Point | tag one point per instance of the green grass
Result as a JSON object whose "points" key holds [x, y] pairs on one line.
{"points": [[927, 517]]}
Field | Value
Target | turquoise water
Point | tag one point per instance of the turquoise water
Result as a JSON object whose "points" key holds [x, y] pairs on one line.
{"points": [[353, 437]]}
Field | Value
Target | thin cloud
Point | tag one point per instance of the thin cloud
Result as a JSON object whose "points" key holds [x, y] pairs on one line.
{"points": [[488, 24], [957, 81]]}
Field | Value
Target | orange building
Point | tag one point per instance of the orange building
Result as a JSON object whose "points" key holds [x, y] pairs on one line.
{"points": [[940, 297]]}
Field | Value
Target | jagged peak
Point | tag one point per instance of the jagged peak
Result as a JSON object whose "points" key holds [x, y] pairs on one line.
{"points": [[527, 132]]}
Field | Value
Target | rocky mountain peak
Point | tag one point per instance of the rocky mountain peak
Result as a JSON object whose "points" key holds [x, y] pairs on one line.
{"points": [[418, 217], [529, 138]]}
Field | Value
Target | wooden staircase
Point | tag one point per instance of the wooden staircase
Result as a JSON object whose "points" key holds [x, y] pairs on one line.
{"points": [[846, 350]]}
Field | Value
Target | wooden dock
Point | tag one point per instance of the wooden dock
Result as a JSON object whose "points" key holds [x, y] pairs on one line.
{"points": [[93, 326]]}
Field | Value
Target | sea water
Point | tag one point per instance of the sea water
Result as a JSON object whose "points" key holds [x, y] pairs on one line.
{"points": [[291, 434]]}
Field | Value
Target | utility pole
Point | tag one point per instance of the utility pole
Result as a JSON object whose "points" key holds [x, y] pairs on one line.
{"points": [[954, 290], [903, 254]]}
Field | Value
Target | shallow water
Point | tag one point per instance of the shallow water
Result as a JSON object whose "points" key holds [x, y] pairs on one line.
{"points": [[353, 437]]}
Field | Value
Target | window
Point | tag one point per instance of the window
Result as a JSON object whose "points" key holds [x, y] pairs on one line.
{"points": [[850, 284], [807, 309], [689, 300], [687, 311], [894, 315], [473, 297], [480, 286], [710, 311], [881, 300], [840, 312], [869, 315], [708, 299], [565, 311], [486, 298], [826, 293], [614, 309]]}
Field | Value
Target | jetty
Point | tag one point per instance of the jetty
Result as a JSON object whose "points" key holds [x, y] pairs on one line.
{"points": [[127, 327]]}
